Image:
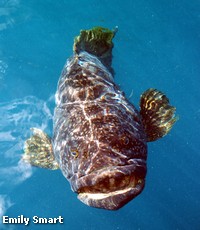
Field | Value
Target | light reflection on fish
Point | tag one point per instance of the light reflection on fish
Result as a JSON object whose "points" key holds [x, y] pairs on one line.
{"points": [[99, 138]]}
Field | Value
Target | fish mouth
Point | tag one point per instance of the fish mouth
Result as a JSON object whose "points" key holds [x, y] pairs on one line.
{"points": [[113, 188]]}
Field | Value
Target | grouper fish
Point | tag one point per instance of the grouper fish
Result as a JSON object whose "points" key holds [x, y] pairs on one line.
{"points": [[99, 138]]}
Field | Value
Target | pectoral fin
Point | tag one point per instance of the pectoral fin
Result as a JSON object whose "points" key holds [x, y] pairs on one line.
{"points": [[157, 114], [38, 150]]}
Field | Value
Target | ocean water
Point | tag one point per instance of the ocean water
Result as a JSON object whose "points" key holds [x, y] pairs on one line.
{"points": [[157, 45]]}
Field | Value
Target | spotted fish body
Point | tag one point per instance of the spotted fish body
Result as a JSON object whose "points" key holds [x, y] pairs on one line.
{"points": [[99, 138]]}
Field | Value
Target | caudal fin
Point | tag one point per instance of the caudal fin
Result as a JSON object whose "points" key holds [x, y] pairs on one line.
{"points": [[96, 41], [157, 114]]}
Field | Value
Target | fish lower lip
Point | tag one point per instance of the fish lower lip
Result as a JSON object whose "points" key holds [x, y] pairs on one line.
{"points": [[111, 200]]}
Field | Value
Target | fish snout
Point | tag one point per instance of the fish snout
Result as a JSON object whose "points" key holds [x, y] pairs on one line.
{"points": [[113, 187]]}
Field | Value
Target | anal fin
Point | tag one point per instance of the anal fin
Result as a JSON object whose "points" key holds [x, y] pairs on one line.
{"points": [[157, 114], [38, 150]]}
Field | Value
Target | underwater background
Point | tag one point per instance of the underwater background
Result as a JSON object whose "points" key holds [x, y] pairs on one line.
{"points": [[157, 45]]}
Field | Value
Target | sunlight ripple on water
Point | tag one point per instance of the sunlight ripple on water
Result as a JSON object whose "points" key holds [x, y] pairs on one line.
{"points": [[16, 119]]}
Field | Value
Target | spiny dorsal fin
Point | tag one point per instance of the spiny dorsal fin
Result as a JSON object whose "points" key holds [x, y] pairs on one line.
{"points": [[157, 114]]}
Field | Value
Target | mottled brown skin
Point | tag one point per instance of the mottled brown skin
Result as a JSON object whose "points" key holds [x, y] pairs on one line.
{"points": [[99, 141]]}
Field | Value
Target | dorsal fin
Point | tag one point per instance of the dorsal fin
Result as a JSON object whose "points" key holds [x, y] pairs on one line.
{"points": [[157, 114]]}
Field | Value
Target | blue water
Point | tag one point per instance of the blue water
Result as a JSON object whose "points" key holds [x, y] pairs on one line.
{"points": [[157, 45]]}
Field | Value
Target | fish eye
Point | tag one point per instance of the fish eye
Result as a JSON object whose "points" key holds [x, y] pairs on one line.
{"points": [[124, 140], [80, 58], [74, 153]]}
